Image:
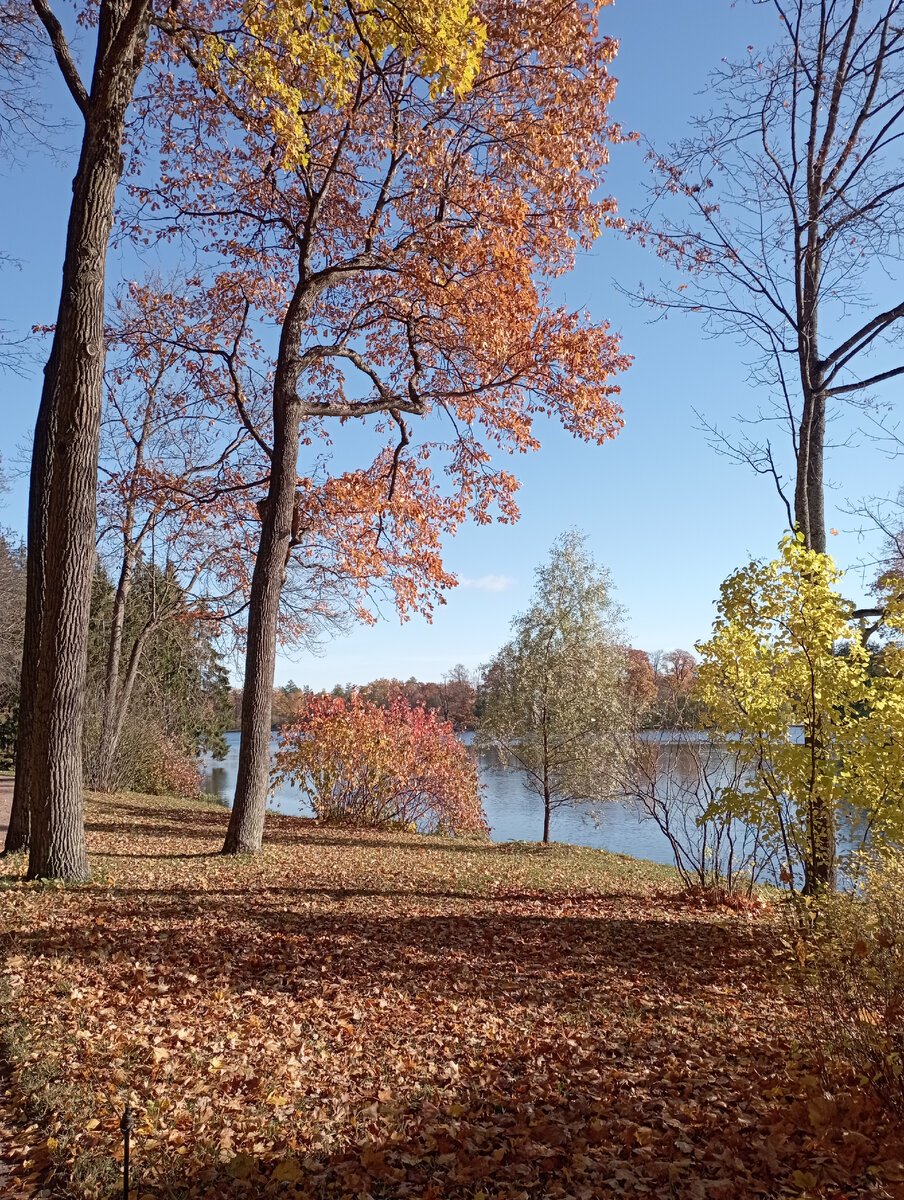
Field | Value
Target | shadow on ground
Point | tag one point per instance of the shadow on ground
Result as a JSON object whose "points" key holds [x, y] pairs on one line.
{"points": [[342, 1018]]}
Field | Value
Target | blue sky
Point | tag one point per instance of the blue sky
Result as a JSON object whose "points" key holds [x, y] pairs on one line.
{"points": [[667, 515]]}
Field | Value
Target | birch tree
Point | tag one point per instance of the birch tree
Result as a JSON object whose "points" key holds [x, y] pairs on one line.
{"points": [[555, 694]]}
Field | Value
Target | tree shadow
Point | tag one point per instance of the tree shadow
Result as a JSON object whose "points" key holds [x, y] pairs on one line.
{"points": [[592, 1053], [569, 1144], [376, 839], [281, 950], [281, 829], [630, 1103], [213, 855]]}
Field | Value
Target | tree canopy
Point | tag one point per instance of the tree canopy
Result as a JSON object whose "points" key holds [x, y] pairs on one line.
{"points": [[555, 693]]}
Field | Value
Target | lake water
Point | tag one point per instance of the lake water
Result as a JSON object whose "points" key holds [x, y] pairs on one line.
{"points": [[513, 811]]}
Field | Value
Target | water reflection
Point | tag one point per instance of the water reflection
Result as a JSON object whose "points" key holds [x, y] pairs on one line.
{"points": [[514, 812]]}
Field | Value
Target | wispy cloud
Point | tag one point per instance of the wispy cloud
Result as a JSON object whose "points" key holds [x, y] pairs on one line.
{"points": [[487, 583]]}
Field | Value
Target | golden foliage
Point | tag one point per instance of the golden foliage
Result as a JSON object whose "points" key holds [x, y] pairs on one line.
{"points": [[786, 677]]}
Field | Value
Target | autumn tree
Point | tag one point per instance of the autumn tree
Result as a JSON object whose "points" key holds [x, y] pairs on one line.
{"points": [[174, 476], [790, 236], [179, 697], [24, 118], [181, 482], [457, 696], [287, 703], [403, 253], [677, 704], [62, 505], [640, 685], [555, 694], [787, 682]]}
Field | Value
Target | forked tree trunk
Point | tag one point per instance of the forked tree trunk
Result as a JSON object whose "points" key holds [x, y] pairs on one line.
{"points": [[246, 823], [114, 704], [63, 497]]}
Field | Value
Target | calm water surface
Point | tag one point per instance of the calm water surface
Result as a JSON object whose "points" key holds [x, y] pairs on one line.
{"points": [[514, 812]]}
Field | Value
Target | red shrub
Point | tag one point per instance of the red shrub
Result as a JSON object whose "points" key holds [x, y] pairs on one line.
{"points": [[375, 767]]}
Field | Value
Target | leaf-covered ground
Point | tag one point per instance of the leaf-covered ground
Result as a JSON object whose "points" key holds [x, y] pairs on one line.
{"points": [[363, 1015]]}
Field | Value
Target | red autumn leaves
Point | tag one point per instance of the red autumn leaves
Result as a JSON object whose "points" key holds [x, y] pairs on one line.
{"points": [[372, 767]]}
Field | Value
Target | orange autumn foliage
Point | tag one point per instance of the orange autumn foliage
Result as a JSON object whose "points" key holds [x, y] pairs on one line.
{"points": [[406, 262], [376, 767]]}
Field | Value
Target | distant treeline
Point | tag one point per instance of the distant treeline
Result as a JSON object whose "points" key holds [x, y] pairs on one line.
{"points": [[455, 697], [662, 684]]}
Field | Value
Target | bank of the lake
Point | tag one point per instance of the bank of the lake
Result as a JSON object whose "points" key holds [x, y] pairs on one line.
{"points": [[514, 812]]}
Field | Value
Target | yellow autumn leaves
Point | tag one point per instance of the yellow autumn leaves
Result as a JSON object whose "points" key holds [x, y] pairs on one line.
{"points": [[819, 719], [444, 40]]}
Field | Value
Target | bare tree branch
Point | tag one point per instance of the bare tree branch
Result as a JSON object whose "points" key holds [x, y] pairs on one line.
{"points": [[63, 56]]}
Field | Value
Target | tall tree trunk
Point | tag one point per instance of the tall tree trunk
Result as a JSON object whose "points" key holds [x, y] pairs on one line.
{"points": [[809, 496], [63, 497], [547, 799], [809, 505], [19, 833], [809, 491], [246, 823], [820, 864], [815, 482]]}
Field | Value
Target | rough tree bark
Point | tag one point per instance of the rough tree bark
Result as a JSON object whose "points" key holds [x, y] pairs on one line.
{"points": [[246, 823], [62, 504]]}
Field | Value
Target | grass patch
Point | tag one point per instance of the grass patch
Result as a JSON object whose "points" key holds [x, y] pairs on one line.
{"points": [[387, 1015]]}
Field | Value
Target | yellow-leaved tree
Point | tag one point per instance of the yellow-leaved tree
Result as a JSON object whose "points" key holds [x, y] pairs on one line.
{"points": [[819, 720]]}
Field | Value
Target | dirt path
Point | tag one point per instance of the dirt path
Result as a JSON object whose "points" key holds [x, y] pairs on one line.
{"points": [[6, 802]]}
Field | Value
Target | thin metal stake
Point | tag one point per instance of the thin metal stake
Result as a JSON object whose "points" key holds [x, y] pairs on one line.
{"points": [[126, 1125]]}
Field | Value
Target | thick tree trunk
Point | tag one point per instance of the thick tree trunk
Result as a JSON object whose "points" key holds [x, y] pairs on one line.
{"points": [[246, 824], [63, 499], [19, 834], [547, 814]]}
